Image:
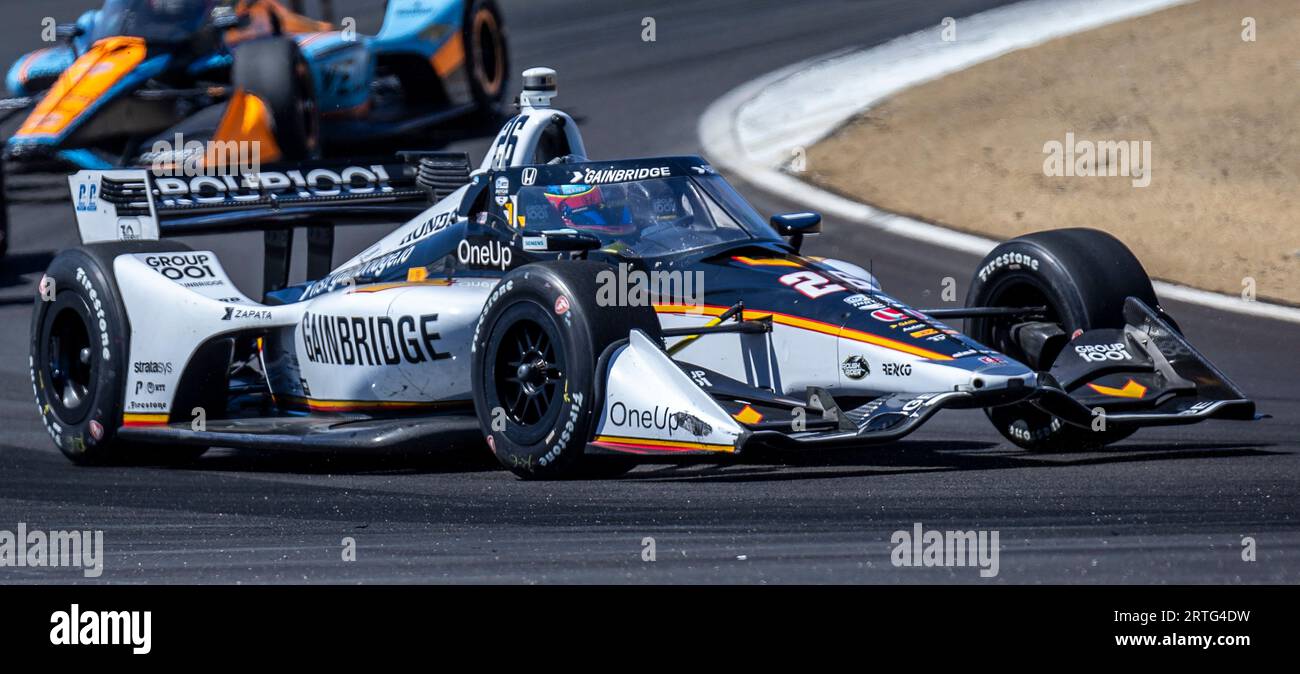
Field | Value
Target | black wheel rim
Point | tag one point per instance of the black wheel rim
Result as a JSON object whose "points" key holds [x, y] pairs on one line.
{"points": [[69, 362], [995, 333], [529, 373]]}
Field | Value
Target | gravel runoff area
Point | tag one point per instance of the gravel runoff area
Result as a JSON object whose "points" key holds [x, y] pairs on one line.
{"points": [[988, 150]]}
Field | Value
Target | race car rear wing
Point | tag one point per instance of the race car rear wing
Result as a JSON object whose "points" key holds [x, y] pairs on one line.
{"points": [[126, 204], [139, 204]]}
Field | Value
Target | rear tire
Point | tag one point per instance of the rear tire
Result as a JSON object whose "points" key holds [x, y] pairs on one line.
{"points": [[274, 70], [80, 342], [1082, 276], [534, 368]]}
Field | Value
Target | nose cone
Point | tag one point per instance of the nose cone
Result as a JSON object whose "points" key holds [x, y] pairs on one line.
{"points": [[831, 329], [1008, 374], [80, 88]]}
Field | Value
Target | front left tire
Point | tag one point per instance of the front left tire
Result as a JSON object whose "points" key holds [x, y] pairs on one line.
{"points": [[534, 368]]}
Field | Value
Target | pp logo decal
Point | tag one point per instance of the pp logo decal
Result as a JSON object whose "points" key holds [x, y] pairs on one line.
{"points": [[561, 305]]}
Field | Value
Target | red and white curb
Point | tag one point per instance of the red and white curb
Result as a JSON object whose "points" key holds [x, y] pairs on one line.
{"points": [[754, 130]]}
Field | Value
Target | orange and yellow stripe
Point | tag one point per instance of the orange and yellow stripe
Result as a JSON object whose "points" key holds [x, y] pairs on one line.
{"points": [[316, 405], [644, 445], [806, 324], [766, 261], [1131, 389], [129, 419]]}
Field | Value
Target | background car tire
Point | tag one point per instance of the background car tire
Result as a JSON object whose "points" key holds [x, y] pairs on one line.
{"points": [[538, 419], [4, 227], [274, 70], [80, 357], [4, 214], [486, 54], [1083, 277]]}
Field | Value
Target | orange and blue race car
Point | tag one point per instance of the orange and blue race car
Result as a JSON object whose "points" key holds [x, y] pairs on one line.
{"points": [[152, 82]]}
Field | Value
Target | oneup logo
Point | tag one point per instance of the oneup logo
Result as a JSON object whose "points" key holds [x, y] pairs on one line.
{"points": [[36, 548], [75, 627], [946, 549]]}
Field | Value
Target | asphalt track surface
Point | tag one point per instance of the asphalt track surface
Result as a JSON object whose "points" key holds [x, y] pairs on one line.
{"points": [[1166, 506]]}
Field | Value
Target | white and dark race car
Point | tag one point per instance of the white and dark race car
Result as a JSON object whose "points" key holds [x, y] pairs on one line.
{"points": [[577, 315]]}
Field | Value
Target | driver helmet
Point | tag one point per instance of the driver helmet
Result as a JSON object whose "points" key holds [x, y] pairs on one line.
{"points": [[654, 202], [592, 208]]}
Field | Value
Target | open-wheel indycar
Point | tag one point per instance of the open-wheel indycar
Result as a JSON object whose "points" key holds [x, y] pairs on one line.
{"points": [[577, 314], [193, 84]]}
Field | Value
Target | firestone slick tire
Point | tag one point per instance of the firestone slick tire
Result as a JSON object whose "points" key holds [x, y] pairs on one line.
{"points": [[79, 352], [1083, 277], [534, 368]]}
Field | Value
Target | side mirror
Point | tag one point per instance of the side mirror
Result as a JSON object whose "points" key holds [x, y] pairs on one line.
{"points": [[788, 224], [795, 225], [559, 241]]}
